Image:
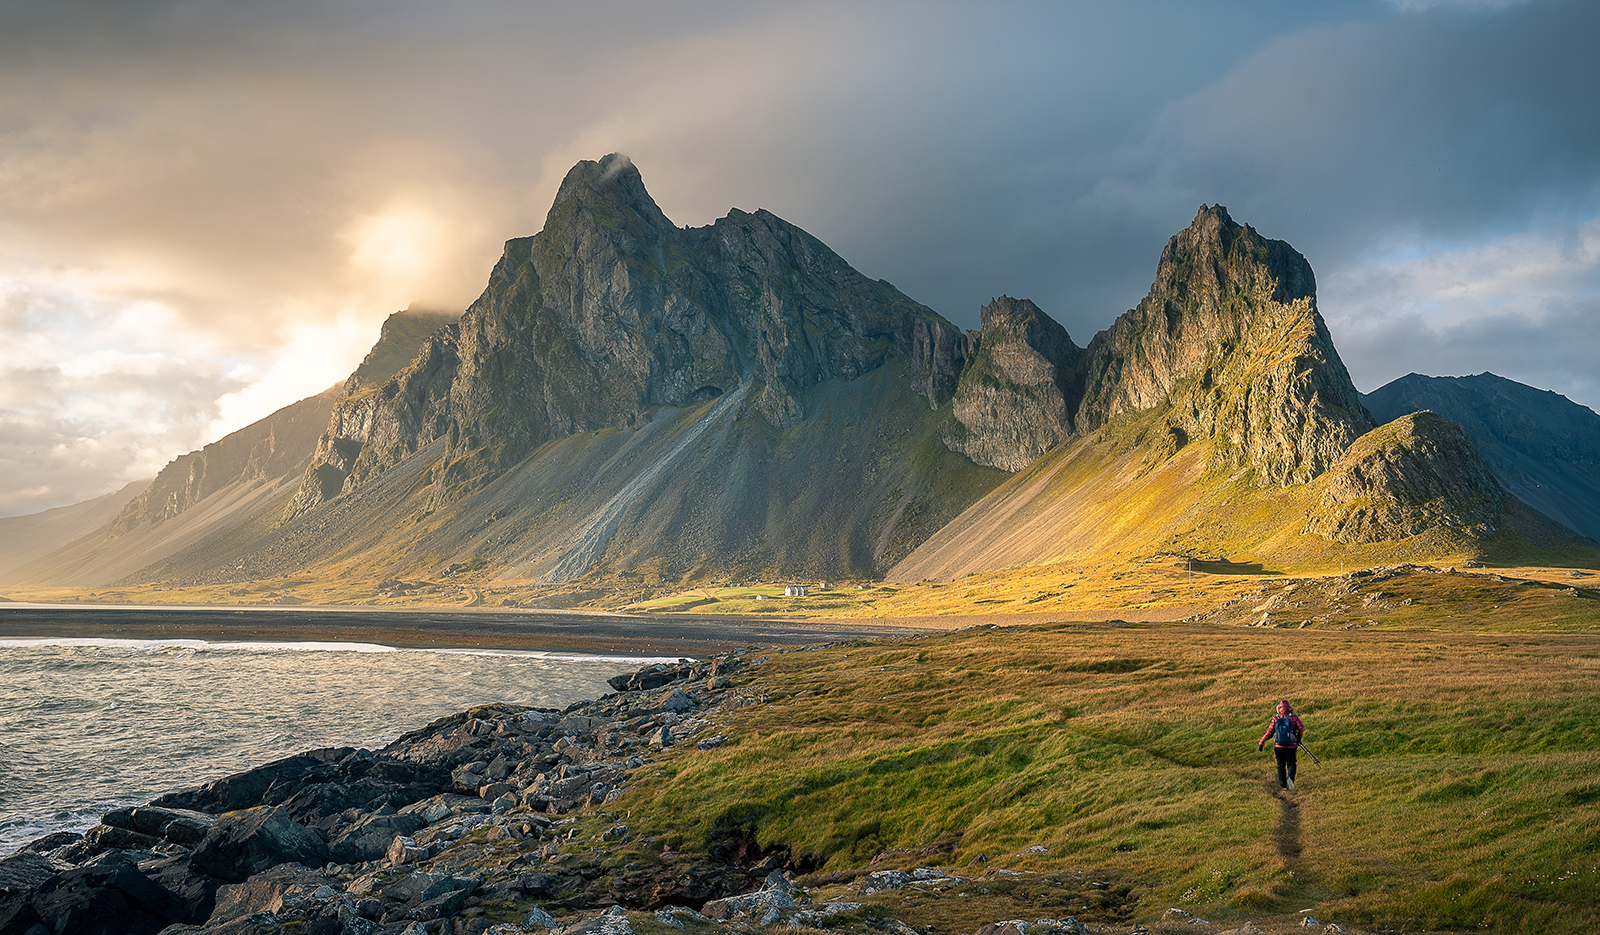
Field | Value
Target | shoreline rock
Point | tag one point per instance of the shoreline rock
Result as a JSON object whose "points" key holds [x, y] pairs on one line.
{"points": [[346, 841]]}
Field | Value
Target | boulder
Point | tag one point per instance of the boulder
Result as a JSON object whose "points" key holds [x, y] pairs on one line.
{"points": [[265, 892], [369, 838], [178, 825], [494, 790], [538, 918], [824, 915], [677, 701], [23, 873], [499, 769], [196, 891], [50, 842], [438, 895], [613, 921], [650, 677], [774, 893], [104, 837], [884, 880], [244, 843], [404, 850], [467, 779]]}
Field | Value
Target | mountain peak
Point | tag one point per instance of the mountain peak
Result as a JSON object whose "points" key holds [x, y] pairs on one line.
{"points": [[1229, 335], [612, 192]]}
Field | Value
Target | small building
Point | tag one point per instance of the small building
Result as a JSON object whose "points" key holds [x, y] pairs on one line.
{"points": [[795, 590]]}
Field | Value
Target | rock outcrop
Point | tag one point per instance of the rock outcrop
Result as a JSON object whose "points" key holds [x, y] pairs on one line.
{"points": [[277, 446], [611, 310], [1416, 473], [1016, 397], [294, 845]]}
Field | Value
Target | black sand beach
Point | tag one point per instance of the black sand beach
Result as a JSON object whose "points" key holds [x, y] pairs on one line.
{"points": [[551, 631]]}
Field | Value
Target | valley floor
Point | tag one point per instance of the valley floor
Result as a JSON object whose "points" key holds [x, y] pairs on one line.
{"points": [[1094, 760]]}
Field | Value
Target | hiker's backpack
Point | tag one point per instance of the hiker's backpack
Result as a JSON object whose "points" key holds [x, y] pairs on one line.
{"points": [[1283, 732]]}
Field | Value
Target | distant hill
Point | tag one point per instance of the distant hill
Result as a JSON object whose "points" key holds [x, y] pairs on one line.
{"points": [[239, 482], [25, 538], [1543, 447]]}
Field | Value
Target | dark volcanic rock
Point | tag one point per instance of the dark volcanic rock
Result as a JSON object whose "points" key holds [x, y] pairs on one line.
{"points": [[178, 825], [246, 842], [107, 900], [369, 838], [258, 870], [649, 677]]}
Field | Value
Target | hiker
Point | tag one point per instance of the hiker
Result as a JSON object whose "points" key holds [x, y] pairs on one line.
{"points": [[1285, 732]]}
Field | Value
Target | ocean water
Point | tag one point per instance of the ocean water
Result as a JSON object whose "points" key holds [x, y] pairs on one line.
{"points": [[90, 725]]}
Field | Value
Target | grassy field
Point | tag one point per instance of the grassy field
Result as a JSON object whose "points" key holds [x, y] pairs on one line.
{"points": [[1459, 787]]}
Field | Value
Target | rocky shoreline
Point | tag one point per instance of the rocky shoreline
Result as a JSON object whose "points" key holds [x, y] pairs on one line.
{"points": [[492, 820]]}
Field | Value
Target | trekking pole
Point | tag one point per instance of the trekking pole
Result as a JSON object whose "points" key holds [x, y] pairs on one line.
{"points": [[1310, 754]]}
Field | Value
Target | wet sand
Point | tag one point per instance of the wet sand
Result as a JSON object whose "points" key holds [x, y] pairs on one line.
{"points": [[546, 630]]}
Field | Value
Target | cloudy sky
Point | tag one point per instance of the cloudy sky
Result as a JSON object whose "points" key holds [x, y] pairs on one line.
{"points": [[208, 208]]}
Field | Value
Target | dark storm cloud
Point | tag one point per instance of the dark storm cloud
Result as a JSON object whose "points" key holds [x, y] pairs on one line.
{"points": [[251, 188]]}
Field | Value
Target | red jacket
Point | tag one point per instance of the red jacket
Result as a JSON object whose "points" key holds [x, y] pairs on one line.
{"points": [[1298, 728]]}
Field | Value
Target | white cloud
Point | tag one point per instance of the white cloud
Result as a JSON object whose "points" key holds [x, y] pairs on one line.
{"points": [[1524, 305]]}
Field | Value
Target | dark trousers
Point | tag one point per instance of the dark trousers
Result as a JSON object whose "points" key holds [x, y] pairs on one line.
{"points": [[1285, 756]]}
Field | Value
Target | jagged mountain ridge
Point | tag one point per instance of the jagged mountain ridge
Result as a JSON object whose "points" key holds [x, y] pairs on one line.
{"points": [[629, 400], [1215, 419], [612, 320], [1543, 447], [1228, 338], [610, 310]]}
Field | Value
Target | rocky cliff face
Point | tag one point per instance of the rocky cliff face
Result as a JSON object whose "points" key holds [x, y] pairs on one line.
{"points": [[274, 447], [1413, 474], [283, 443], [611, 310], [1017, 394], [1228, 337]]}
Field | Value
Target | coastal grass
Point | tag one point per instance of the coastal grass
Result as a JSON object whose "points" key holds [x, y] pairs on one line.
{"points": [[1459, 786]]}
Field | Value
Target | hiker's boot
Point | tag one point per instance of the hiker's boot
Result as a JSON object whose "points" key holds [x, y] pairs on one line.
{"points": [[1291, 784]]}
